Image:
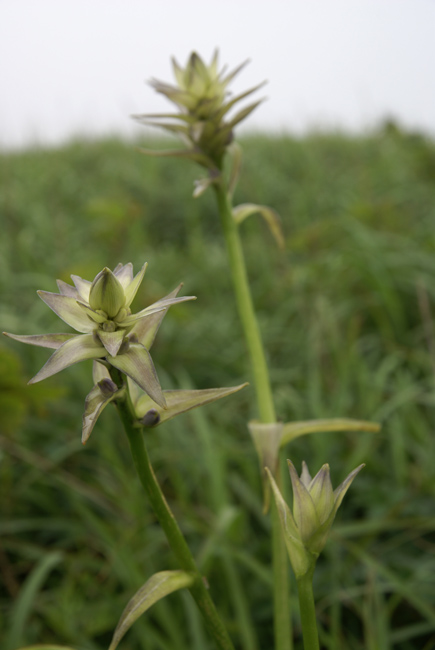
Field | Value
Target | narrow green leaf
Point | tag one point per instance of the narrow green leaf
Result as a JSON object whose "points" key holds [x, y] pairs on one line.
{"points": [[157, 587], [292, 430], [43, 646], [270, 216], [26, 599]]}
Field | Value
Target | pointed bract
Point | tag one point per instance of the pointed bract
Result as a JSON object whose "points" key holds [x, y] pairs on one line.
{"points": [[68, 310], [124, 273], [101, 395], [133, 286], [155, 308], [305, 475], [177, 402], [83, 287], [52, 341], [67, 290], [112, 341], [146, 328], [300, 558], [80, 348], [304, 511], [138, 365], [321, 492]]}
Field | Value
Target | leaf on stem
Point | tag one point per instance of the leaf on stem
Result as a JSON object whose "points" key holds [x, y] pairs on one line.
{"points": [[157, 587], [292, 430], [267, 442], [236, 154], [202, 184], [270, 216]]}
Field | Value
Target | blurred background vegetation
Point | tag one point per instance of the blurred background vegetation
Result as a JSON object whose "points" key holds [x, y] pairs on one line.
{"points": [[346, 314]]}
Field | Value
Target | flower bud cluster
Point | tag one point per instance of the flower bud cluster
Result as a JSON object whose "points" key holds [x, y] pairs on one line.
{"points": [[315, 505]]}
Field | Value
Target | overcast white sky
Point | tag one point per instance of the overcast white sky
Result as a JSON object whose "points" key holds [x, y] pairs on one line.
{"points": [[72, 67]]}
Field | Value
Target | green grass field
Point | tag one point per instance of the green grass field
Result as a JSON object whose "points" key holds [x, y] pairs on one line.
{"points": [[347, 316]]}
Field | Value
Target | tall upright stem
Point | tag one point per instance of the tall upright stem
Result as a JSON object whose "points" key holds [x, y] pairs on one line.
{"points": [[170, 526], [266, 408], [246, 309], [308, 612]]}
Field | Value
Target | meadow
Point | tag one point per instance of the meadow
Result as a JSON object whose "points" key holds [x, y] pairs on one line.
{"points": [[347, 316]]}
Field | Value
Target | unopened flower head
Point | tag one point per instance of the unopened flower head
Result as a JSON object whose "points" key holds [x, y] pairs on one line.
{"points": [[315, 505], [203, 101], [201, 88]]}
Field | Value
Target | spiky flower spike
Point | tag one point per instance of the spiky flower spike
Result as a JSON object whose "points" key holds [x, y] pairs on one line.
{"points": [[315, 505], [203, 101]]}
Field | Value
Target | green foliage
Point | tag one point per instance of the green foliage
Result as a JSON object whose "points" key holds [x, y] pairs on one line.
{"points": [[346, 315]]}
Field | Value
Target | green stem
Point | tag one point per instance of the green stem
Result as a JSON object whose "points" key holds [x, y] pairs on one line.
{"points": [[169, 524], [266, 408], [246, 309], [308, 612], [281, 601]]}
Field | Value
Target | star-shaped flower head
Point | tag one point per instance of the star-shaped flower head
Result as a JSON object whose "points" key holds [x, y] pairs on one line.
{"points": [[203, 100], [315, 505], [114, 337], [100, 311]]}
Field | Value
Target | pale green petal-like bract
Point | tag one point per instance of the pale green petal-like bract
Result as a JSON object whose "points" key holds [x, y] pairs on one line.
{"points": [[137, 364], [68, 310], [76, 349]]}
